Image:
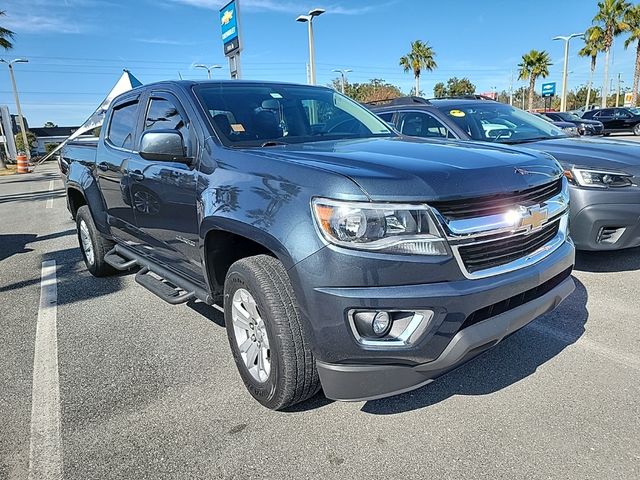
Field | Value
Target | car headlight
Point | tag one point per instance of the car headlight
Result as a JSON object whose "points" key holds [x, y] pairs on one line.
{"points": [[598, 178], [571, 130], [381, 227]]}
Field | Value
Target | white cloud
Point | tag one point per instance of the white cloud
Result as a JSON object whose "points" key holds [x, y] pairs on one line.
{"points": [[283, 7], [163, 41]]}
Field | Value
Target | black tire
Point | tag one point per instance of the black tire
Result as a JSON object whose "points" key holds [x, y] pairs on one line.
{"points": [[293, 377], [636, 129], [98, 267]]}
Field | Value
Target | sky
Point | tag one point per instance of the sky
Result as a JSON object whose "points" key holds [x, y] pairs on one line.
{"points": [[78, 48]]}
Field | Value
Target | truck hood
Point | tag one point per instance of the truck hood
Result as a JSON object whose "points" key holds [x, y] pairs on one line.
{"points": [[422, 170], [597, 153]]}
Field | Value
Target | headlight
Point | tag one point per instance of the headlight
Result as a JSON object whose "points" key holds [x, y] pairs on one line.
{"points": [[571, 130], [382, 227], [598, 178]]}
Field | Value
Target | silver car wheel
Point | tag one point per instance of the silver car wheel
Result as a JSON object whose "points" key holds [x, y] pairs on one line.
{"points": [[251, 335], [87, 245]]}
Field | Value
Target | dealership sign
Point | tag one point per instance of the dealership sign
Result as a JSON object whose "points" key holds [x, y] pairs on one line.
{"points": [[230, 28], [549, 89]]}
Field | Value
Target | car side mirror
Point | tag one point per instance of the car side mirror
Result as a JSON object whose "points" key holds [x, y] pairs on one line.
{"points": [[163, 146]]}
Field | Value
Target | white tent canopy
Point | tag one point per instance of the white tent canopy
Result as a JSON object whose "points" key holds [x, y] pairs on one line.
{"points": [[126, 82]]}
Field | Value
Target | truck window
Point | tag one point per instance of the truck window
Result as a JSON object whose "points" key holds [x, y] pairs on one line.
{"points": [[122, 125], [163, 114], [417, 124]]}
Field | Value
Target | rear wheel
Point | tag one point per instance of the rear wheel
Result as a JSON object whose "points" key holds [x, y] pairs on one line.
{"points": [[269, 344], [92, 245]]}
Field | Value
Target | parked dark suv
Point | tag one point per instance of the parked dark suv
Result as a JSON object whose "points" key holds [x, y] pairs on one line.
{"points": [[615, 120], [342, 254], [584, 125], [604, 174]]}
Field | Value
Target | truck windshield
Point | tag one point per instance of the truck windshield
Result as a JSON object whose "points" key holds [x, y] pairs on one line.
{"points": [[266, 115], [500, 123]]}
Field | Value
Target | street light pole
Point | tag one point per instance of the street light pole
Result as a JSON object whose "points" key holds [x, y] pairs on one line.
{"points": [[563, 100], [17, 99], [316, 12], [343, 74], [208, 69]]}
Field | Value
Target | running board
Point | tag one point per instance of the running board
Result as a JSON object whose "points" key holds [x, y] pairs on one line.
{"points": [[166, 284], [116, 261], [166, 291]]}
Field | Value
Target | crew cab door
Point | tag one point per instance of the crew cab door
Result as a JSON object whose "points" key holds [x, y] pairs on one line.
{"points": [[163, 193], [114, 152]]}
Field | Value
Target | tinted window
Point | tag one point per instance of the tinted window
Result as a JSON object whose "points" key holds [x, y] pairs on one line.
{"points": [[255, 115], [163, 115], [122, 125], [417, 124], [387, 117], [607, 112], [622, 113]]}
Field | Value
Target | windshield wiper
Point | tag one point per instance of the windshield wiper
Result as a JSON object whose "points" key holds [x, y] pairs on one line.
{"points": [[273, 143], [535, 139]]}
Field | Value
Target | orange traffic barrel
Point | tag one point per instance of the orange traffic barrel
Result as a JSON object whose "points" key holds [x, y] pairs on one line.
{"points": [[23, 164]]}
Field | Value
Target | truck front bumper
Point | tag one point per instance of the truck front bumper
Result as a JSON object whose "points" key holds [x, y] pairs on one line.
{"points": [[369, 382]]}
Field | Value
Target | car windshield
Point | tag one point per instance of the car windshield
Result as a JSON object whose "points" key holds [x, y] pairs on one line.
{"points": [[268, 115], [635, 110], [500, 123]]}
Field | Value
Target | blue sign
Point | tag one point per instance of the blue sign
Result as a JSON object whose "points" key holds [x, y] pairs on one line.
{"points": [[549, 89], [230, 28]]}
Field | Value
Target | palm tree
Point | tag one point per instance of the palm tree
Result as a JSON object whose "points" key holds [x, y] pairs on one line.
{"points": [[610, 17], [593, 45], [5, 35], [534, 64], [632, 27], [421, 57]]}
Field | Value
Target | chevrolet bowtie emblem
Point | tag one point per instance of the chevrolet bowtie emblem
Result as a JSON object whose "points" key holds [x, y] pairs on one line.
{"points": [[532, 218]]}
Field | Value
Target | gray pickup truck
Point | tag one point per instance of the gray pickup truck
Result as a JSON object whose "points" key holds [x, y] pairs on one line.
{"points": [[344, 256]]}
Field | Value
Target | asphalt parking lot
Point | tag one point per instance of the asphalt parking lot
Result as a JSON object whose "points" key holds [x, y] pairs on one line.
{"points": [[149, 390]]}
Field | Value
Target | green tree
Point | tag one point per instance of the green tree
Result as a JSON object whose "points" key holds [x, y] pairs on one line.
{"points": [[375, 89], [534, 64], [460, 86], [439, 90], [31, 138], [632, 27], [6, 35], [610, 17], [49, 125], [421, 57], [593, 45]]}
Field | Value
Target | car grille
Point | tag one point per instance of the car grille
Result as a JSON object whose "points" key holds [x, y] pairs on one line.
{"points": [[495, 253], [496, 204]]}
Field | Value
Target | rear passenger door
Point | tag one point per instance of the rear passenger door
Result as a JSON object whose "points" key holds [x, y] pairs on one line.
{"points": [[112, 159], [606, 117], [164, 193]]}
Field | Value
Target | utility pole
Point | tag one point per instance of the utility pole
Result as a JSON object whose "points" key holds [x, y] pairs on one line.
{"points": [[511, 89], [618, 91], [308, 19], [566, 39], [15, 95], [343, 75]]}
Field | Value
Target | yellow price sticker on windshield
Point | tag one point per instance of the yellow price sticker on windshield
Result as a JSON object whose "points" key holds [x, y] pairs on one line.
{"points": [[456, 113]]}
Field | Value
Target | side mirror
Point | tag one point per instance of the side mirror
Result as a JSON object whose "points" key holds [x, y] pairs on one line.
{"points": [[163, 146]]}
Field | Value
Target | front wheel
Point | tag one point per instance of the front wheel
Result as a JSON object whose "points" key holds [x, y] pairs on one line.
{"points": [[636, 129], [266, 335]]}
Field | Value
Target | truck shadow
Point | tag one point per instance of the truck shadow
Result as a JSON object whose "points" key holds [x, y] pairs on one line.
{"points": [[608, 261], [16, 243], [512, 360]]}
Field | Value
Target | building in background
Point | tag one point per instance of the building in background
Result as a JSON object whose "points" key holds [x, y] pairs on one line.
{"points": [[53, 136]]}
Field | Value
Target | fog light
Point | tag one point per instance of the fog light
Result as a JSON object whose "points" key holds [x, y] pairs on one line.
{"points": [[381, 323]]}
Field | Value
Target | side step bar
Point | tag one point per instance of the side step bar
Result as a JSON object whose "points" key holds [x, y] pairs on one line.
{"points": [[170, 287]]}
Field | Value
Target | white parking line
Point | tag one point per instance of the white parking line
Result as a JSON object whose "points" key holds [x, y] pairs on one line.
{"points": [[45, 453], [625, 359], [50, 199]]}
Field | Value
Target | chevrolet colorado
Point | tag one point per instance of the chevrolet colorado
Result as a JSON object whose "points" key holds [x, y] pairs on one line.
{"points": [[345, 256]]}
